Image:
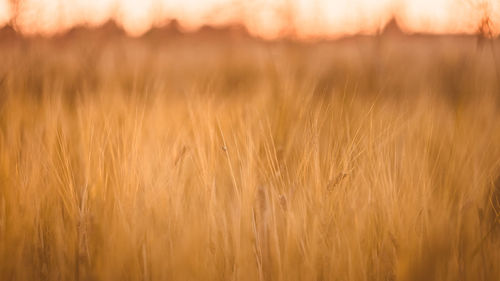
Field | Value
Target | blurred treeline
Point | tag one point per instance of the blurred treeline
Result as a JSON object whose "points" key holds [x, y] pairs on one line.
{"points": [[231, 63]]}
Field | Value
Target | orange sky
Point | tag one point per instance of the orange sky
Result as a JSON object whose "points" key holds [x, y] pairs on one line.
{"points": [[266, 18]]}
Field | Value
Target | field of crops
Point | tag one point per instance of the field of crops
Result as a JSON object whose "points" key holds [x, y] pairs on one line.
{"points": [[223, 157]]}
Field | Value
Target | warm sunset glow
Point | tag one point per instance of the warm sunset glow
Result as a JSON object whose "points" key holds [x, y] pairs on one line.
{"points": [[266, 18]]}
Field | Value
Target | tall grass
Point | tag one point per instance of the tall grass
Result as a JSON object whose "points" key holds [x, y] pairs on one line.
{"points": [[127, 160]]}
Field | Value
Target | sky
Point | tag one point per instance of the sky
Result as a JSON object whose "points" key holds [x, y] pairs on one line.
{"points": [[266, 18]]}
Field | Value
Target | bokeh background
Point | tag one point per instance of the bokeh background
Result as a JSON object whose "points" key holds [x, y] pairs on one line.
{"points": [[301, 18]]}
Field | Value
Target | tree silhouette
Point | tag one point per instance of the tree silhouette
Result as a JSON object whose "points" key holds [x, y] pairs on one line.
{"points": [[485, 30], [15, 9]]}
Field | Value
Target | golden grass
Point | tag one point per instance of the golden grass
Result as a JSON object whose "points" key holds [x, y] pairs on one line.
{"points": [[376, 160]]}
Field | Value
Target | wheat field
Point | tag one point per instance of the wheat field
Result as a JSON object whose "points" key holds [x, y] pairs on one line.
{"points": [[373, 158]]}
